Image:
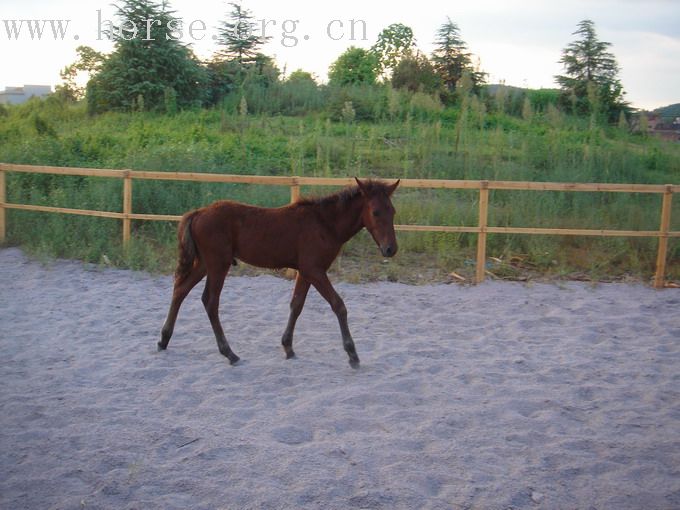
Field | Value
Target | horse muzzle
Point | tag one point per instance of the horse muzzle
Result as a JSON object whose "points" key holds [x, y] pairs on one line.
{"points": [[389, 250]]}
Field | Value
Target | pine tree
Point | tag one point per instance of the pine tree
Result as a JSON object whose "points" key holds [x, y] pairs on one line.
{"points": [[451, 59], [239, 64], [238, 37], [590, 85], [146, 63]]}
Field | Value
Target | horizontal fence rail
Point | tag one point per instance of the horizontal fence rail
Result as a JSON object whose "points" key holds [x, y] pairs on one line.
{"points": [[294, 183]]}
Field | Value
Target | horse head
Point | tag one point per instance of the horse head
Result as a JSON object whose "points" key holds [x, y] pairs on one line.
{"points": [[378, 214]]}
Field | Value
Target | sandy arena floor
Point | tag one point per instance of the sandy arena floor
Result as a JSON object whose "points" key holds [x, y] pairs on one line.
{"points": [[499, 396]]}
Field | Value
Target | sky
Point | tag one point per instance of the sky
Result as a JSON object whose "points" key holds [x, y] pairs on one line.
{"points": [[518, 42]]}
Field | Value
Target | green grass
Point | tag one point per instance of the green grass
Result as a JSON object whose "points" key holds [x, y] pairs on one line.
{"points": [[447, 145]]}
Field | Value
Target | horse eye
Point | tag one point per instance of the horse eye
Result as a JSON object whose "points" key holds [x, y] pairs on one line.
{"points": [[376, 213]]}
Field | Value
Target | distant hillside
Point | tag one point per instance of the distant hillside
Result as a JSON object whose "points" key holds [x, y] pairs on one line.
{"points": [[669, 112], [492, 88]]}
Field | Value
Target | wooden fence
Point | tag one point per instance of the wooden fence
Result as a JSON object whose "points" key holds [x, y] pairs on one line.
{"points": [[482, 229]]}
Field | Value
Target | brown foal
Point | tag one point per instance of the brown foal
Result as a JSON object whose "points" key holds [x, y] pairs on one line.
{"points": [[306, 235]]}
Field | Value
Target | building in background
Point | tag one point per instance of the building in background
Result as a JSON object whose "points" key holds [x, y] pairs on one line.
{"points": [[668, 129], [18, 95]]}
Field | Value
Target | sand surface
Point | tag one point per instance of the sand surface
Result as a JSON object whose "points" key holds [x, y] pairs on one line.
{"points": [[492, 397]]}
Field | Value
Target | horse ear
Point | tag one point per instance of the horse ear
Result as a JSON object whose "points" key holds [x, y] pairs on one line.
{"points": [[362, 187], [391, 188]]}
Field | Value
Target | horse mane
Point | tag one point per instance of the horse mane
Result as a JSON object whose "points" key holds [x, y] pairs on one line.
{"points": [[346, 195]]}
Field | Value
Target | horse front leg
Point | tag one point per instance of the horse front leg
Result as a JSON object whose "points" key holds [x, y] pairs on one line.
{"points": [[323, 285], [296, 304]]}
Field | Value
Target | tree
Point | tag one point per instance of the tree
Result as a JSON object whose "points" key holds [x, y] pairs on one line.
{"points": [[415, 73], [145, 63], [301, 77], [89, 61], [224, 78], [229, 76], [590, 84], [238, 37], [452, 59], [356, 66], [239, 64], [394, 43]]}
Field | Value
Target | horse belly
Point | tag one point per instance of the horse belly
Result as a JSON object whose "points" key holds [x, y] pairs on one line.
{"points": [[267, 260], [266, 246]]}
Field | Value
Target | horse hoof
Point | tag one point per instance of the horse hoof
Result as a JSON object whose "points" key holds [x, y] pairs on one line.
{"points": [[354, 363], [234, 359], [161, 347], [290, 355]]}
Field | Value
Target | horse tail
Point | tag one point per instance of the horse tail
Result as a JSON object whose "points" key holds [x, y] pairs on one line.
{"points": [[188, 253]]}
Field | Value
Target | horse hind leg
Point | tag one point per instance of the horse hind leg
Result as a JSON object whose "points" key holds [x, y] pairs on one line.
{"points": [[180, 291], [211, 301]]}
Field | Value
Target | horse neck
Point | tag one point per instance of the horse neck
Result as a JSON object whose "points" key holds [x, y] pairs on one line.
{"points": [[345, 219]]}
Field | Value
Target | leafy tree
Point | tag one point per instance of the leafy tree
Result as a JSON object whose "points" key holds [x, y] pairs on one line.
{"points": [[89, 61], [238, 37], [452, 59], [356, 66], [394, 43], [300, 76], [590, 84], [415, 73], [261, 72], [224, 78], [145, 63], [300, 94]]}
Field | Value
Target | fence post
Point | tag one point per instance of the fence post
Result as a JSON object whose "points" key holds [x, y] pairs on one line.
{"points": [[294, 191], [127, 207], [663, 238], [3, 198], [481, 237]]}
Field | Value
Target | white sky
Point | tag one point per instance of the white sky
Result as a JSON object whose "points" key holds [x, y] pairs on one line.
{"points": [[518, 41]]}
